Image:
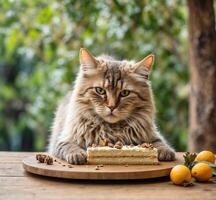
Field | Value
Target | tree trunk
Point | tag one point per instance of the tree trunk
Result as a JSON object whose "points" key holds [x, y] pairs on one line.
{"points": [[202, 39]]}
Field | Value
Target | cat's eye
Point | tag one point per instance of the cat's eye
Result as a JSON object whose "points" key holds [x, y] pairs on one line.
{"points": [[124, 93], [100, 90]]}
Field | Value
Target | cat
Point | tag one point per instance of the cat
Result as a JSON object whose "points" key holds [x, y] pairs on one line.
{"points": [[111, 99]]}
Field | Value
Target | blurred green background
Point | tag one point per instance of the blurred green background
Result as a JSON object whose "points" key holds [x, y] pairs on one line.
{"points": [[39, 46]]}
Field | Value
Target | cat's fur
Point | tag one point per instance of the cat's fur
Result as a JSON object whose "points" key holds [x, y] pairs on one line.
{"points": [[84, 116]]}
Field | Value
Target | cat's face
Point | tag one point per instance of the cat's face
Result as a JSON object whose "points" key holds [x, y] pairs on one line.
{"points": [[115, 90]]}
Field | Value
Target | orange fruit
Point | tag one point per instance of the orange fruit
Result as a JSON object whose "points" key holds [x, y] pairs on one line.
{"points": [[180, 174], [201, 172], [206, 156]]}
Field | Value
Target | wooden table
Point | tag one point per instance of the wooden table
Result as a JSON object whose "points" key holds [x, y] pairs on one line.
{"points": [[15, 183]]}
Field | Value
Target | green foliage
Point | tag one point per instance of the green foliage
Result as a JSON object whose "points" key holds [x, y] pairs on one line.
{"points": [[39, 45]]}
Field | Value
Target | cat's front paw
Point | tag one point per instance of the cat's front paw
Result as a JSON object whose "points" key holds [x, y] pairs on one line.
{"points": [[77, 157], [165, 154]]}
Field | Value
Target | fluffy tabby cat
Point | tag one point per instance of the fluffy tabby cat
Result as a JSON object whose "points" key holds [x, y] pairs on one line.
{"points": [[111, 99]]}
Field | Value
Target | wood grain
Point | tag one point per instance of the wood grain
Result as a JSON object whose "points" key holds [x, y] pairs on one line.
{"points": [[60, 169], [24, 186]]}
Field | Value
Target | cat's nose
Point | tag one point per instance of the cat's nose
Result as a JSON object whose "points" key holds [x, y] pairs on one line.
{"points": [[111, 108]]}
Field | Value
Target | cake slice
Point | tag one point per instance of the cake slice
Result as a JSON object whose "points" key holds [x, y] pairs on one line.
{"points": [[144, 154]]}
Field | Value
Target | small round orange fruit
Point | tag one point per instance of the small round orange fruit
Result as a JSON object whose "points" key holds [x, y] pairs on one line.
{"points": [[180, 174], [206, 156], [201, 172]]}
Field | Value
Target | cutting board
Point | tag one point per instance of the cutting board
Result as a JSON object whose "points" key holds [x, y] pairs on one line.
{"points": [[62, 169]]}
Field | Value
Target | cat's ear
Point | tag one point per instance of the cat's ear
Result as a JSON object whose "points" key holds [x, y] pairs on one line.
{"points": [[87, 60], [144, 66]]}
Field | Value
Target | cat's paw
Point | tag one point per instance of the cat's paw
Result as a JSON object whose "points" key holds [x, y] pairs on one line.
{"points": [[76, 157], [165, 154]]}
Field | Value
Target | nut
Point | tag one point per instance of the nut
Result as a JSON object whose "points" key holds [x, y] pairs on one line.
{"points": [[110, 145], [119, 143], [103, 142], [94, 145], [97, 168], [147, 145], [41, 158], [117, 146], [49, 160]]}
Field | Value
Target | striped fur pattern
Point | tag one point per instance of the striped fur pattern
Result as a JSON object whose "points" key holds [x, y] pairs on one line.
{"points": [[86, 116]]}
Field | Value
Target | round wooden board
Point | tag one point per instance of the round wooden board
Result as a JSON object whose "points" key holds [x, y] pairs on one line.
{"points": [[60, 169]]}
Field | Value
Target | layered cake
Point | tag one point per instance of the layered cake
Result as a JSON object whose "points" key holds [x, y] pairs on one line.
{"points": [[119, 154]]}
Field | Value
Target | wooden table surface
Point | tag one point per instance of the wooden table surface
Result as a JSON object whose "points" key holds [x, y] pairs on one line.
{"points": [[15, 183]]}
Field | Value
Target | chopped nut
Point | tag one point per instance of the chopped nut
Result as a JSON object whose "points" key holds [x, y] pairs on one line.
{"points": [[110, 145], [49, 160], [103, 142], [94, 145], [100, 143], [41, 158], [70, 166], [37, 156], [63, 165], [97, 168], [117, 146], [101, 165], [119, 143], [147, 145]]}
